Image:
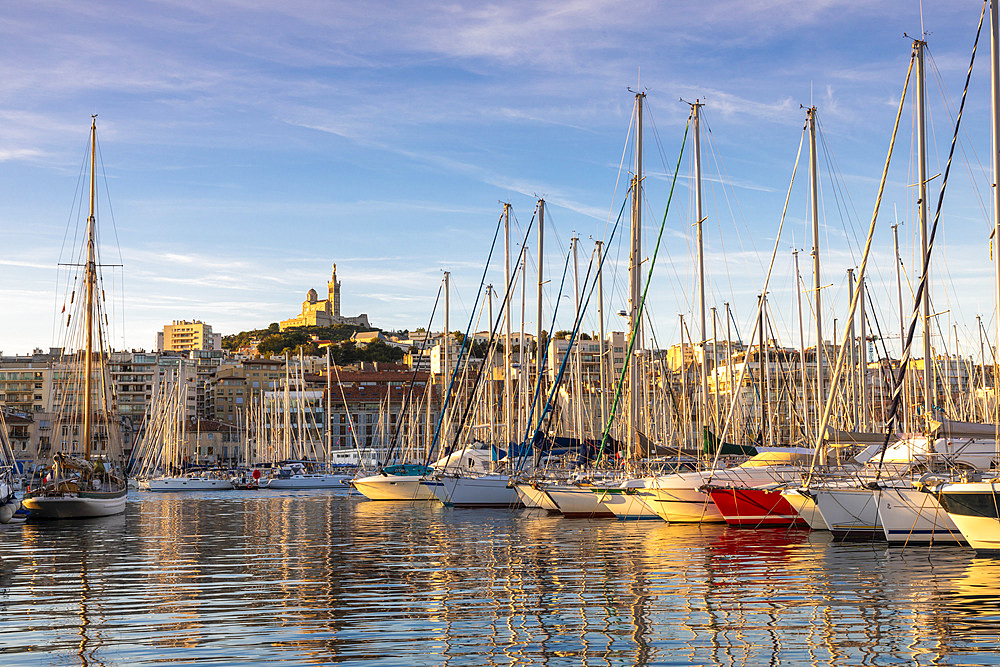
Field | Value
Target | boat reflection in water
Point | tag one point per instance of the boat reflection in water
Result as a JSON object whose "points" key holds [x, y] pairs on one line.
{"points": [[314, 579]]}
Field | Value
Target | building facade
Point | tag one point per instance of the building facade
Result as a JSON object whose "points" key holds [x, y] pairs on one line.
{"points": [[183, 336]]}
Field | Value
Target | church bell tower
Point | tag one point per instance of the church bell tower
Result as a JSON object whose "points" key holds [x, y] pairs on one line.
{"points": [[333, 288]]}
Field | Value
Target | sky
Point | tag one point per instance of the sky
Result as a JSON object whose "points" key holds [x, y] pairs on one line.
{"points": [[247, 146]]}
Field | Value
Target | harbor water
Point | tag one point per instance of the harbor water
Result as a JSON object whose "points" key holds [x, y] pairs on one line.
{"points": [[318, 578]]}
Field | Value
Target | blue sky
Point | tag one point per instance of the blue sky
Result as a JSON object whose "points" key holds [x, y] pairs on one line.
{"points": [[249, 145]]}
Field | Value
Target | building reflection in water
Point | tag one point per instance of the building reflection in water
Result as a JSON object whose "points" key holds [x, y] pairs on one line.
{"points": [[316, 579]]}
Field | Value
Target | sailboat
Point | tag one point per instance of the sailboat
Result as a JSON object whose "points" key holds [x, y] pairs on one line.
{"points": [[88, 483], [972, 501]]}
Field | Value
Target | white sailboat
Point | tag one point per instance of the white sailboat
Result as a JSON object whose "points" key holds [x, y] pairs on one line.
{"points": [[92, 484], [973, 503]]}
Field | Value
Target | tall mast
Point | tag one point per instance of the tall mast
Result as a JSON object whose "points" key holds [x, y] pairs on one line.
{"points": [[762, 370], [446, 374], [864, 356], [90, 278], [600, 348], [491, 416], [522, 386], [929, 389], [329, 417], [508, 412], [854, 376], [814, 205], [538, 325], [577, 360], [635, 259], [729, 359], [699, 219], [995, 99]]}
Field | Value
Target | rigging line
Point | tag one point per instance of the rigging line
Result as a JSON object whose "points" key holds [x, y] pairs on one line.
{"points": [[861, 274], [621, 168], [729, 195], [667, 260], [922, 286], [409, 394], [538, 435], [872, 316], [447, 337], [70, 275], [840, 193], [496, 325], [547, 409], [733, 402], [963, 146], [544, 351], [642, 302]]}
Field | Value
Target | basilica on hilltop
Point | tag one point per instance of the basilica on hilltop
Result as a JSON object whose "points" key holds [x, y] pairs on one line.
{"points": [[325, 313]]}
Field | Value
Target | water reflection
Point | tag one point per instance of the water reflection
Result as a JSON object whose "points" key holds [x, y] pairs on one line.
{"points": [[315, 579]]}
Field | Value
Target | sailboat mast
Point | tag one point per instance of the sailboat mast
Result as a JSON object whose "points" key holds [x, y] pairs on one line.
{"points": [[635, 258], [522, 386], [329, 415], [696, 124], [863, 352], [577, 361], [814, 205], [508, 408], [854, 376], [538, 324], [995, 100], [491, 417], [929, 389], [90, 280], [600, 346], [447, 348]]}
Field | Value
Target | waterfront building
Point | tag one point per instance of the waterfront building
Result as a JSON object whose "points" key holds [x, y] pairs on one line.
{"points": [[183, 336], [229, 391], [589, 351]]}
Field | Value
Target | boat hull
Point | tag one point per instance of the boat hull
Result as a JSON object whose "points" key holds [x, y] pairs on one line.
{"points": [[684, 505], [756, 508], [304, 482], [805, 506], [973, 508], [393, 487], [482, 491], [911, 516], [167, 484], [851, 513], [534, 497], [578, 502], [630, 504], [76, 506]]}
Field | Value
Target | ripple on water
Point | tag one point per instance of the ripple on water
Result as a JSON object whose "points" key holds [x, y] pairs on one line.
{"points": [[320, 578]]}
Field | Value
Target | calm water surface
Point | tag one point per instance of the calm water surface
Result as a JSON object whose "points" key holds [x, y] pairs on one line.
{"points": [[321, 578]]}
